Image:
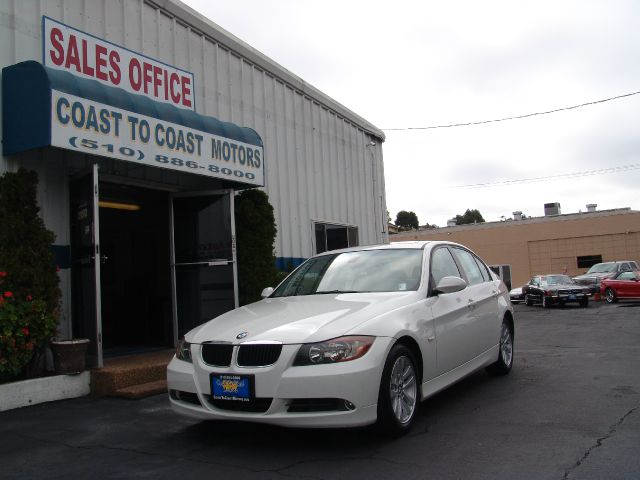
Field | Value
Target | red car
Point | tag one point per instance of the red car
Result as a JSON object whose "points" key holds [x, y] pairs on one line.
{"points": [[623, 285]]}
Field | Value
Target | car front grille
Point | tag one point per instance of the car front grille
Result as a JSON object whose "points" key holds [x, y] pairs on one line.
{"points": [[258, 355], [570, 291], [308, 405], [257, 405], [217, 354]]}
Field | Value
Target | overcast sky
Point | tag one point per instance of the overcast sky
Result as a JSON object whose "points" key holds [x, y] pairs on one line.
{"points": [[408, 64]]}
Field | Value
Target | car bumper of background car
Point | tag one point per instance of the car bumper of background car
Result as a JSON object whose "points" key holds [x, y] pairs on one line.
{"points": [[562, 298], [332, 395]]}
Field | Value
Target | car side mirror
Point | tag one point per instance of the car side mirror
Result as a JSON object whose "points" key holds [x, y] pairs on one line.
{"points": [[266, 292], [450, 285]]}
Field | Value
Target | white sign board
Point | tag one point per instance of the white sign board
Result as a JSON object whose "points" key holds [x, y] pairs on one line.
{"points": [[99, 129], [86, 56]]}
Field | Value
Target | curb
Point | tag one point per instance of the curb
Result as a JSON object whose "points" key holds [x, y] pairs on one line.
{"points": [[45, 389]]}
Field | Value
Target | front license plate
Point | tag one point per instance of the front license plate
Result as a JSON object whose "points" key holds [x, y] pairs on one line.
{"points": [[232, 387], [572, 297]]}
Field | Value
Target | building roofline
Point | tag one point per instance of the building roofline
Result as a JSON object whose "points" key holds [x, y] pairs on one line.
{"points": [[208, 28], [526, 221]]}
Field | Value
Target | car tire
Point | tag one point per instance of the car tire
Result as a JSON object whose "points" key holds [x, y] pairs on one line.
{"points": [[610, 295], [527, 300], [399, 396], [545, 302], [503, 365]]}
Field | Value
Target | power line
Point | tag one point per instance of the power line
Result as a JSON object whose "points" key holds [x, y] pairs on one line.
{"points": [[556, 110], [587, 173]]}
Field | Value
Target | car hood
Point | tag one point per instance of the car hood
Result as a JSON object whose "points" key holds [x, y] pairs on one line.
{"points": [[301, 319], [594, 276], [564, 286]]}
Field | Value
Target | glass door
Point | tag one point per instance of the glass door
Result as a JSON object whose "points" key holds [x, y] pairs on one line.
{"points": [[85, 266], [204, 272]]}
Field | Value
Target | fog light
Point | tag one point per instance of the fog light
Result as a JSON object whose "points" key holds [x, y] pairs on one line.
{"points": [[349, 405]]}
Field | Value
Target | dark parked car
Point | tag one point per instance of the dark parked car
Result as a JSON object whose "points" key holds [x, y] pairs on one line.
{"points": [[600, 271], [623, 285], [555, 289], [516, 295]]}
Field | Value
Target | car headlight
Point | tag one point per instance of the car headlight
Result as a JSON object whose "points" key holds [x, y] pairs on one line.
{"points": [[341, 349], [183, 351]]}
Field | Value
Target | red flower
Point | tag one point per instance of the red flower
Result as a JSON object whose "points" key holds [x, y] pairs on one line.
{"points": [[29, 298], [3, 274], [8, 294], [25, 331]]}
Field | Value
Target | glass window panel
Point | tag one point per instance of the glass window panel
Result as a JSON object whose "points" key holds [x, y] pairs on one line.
{"points": [[443, 265], [202, 229], [203, 292], [471, 269]]}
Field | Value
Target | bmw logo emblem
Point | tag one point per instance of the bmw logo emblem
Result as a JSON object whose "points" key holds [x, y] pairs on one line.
{"points": [[242, 335]]}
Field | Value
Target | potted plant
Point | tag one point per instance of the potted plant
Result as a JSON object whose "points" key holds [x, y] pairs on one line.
{"points": [[69, 356]]}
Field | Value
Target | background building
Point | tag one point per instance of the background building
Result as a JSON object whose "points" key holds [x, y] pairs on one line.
{"points": [[554, 243], [142, 119]]}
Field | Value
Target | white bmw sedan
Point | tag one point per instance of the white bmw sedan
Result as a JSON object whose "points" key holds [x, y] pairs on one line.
{"points": [[351, 337]]}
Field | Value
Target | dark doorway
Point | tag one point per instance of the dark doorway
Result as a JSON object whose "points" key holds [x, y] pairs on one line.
{"points": [[135, 272]]}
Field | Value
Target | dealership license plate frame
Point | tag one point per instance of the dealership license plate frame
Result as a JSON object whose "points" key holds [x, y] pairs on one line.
{"points": [[232, 387]]}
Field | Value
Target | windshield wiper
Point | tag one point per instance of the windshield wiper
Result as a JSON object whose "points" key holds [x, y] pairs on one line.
{"points": [[325, 292]]}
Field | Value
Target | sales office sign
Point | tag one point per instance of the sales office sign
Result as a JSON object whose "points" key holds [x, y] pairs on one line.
{"points": [[86, 56], [91, 127]]}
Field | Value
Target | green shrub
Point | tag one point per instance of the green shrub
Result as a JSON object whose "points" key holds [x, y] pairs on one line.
{"points": [[255, 237], [29, 272], [26, 325]]}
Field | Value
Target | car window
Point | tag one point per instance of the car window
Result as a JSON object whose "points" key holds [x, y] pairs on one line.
{"points": [[603, 268], [483, 269], [469, 265], [442, 265], [384, 270], [627, 276]]}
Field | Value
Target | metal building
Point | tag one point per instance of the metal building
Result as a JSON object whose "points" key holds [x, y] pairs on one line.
{"points": [[142, 119]]}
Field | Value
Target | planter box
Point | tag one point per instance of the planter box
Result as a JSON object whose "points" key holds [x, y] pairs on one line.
{"points": [[45, 389]]}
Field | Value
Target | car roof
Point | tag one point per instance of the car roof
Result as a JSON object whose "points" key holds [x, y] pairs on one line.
{"points": [[416, 245]]}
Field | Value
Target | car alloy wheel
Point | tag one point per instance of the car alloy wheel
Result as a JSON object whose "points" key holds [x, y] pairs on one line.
{"points": [[610, 295], [503, 365], [403, 389], [506, 345], [399, 396]]}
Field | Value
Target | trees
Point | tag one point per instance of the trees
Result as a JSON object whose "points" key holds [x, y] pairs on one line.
{"points": [[470, 216], [255, 236], [408, 220]]}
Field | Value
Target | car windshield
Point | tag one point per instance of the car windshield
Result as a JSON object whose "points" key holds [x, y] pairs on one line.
{"points": [[386, 270], [550, 280], [603, 268]]}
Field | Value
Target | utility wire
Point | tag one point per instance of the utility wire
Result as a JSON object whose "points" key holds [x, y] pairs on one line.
{"points": [[556, 110], [587, 173]]}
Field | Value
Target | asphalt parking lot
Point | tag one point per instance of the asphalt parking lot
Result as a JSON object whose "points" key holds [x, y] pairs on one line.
{"points": [[569, 410]]}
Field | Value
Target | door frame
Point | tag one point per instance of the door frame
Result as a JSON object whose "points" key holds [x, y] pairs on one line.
{"points": [[96, 359], [174, 295]]}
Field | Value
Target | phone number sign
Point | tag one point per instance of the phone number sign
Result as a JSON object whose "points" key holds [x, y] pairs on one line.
{"points": [[94, 128]]}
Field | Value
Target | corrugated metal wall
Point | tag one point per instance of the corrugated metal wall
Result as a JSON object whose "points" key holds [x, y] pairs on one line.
{"points": [[319, 164]]}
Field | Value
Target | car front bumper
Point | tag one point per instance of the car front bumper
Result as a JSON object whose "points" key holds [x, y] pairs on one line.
{"points": [[566, 298], [329, 395]]}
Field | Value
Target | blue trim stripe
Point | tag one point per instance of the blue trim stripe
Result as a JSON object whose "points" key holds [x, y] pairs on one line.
{"points": [[285, 264]]}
